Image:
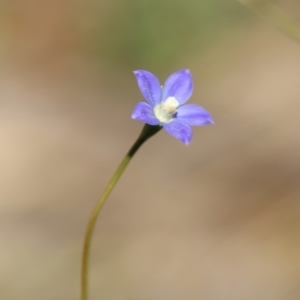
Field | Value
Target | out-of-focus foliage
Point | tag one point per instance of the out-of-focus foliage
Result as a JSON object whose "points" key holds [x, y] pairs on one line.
{"points": [[219, 219], [155, 33], [276, 16]]}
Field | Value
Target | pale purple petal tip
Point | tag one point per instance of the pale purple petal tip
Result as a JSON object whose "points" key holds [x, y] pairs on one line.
{"points": [[144, 112], [194, 115], [149, 86], [179, 130], [179, 85]]}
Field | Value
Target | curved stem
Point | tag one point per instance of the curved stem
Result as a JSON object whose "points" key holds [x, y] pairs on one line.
{"points": [[146, 133]]}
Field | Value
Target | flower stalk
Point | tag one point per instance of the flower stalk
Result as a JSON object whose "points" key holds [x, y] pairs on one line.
{"points": [[163, 108], [147, 132]]}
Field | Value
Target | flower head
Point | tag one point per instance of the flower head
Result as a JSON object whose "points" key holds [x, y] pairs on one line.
{"points": [[165, 104]]}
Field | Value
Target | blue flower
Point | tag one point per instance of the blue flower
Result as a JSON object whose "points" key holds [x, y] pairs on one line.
{"points": [[165, 104]]}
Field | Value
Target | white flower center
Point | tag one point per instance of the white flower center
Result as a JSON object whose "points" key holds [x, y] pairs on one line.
{"points": [[165, 111]]}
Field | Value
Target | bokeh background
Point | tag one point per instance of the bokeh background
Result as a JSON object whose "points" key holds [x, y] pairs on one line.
{"points": [[217, 220]]}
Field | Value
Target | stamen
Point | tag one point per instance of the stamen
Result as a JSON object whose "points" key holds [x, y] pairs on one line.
{"points": [[166, 110]]}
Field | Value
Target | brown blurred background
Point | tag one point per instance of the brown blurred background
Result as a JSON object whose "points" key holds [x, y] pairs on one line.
{"points": [[217, 220]]}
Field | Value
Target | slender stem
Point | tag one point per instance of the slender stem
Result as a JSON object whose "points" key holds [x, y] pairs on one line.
{"points": [[146, 133]]}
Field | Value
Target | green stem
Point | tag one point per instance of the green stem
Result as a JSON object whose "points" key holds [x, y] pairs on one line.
{"points": [[146, 133]]}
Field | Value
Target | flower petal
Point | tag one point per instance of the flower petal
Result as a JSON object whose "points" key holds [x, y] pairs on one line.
{"points": [[179, 85], [194, 115], [144, 112], [149, 86], [179, 130]]}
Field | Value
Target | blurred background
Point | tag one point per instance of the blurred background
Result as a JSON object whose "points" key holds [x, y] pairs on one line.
{"points": [[217, 220]]}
